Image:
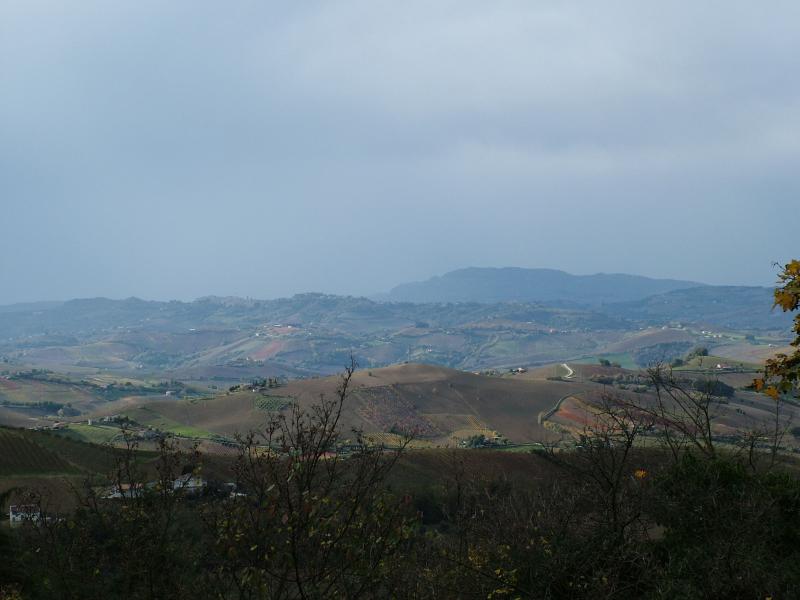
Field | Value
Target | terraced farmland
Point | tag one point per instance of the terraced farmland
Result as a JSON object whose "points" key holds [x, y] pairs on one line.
{"points": [[273, 403]]}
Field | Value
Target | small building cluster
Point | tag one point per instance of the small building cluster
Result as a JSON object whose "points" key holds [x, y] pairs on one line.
{"points": [[189, 484], [24, 513]]}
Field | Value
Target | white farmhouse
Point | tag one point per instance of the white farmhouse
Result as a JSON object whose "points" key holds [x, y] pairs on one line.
{"points": [[24, 513], [189, 484]]}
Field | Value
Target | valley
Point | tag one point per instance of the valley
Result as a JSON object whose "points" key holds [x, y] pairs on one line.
{"points": [[524, 370]]}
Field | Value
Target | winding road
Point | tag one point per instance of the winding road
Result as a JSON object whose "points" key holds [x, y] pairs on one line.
{"points": [[543, 416]]}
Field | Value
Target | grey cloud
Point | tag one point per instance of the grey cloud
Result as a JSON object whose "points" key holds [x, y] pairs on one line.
{"points": [[179, 149]]}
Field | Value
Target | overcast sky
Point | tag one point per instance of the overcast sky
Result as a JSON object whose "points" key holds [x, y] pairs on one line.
{"points": [[178, 149]]}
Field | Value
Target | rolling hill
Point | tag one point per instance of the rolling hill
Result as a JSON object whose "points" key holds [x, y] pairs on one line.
{"points": [[304, 335], [550, 286], [439, 406], [38, 453], [36, 398], [732, 307], [229, 340]]}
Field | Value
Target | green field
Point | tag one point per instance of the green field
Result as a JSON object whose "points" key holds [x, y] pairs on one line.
{"points": [[147, 417], [94, 434], [527, 448]]}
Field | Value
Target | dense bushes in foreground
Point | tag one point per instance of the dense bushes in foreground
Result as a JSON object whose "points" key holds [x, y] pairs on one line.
{"points": [[699, 528], [612, 523], [607, 519]]}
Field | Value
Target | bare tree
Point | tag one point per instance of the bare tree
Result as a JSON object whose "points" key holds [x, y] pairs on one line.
{"points": [[310, 519]]}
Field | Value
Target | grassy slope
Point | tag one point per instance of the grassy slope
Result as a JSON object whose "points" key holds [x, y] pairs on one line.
{"points": [[80, 398], [26, 452], [442, 401], [31, 391], [93, 434], [152, 417], [709, 363], [751, 353], [54, 465]]}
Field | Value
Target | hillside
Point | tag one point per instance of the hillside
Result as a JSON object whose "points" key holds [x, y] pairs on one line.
{"points": [[218, 341], [26, 453], [733, 307], [308, 334], [35, 398], [84, 318], [439, 406], [512, 284]]}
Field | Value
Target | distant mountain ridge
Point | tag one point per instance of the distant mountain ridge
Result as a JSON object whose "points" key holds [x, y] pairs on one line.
{"points": [[491, 285]]}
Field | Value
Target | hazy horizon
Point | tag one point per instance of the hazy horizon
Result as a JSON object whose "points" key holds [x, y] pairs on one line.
{"points": [[180, 150], [374, 295]]}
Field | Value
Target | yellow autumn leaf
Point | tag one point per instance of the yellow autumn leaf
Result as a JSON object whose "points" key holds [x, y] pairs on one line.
{"points": [[786, 300]]}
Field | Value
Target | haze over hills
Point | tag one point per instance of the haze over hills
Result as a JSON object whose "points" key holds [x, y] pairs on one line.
{"points": [[232, 338], [514, 284], [399, 300], [306, 334], [739, 307]]}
